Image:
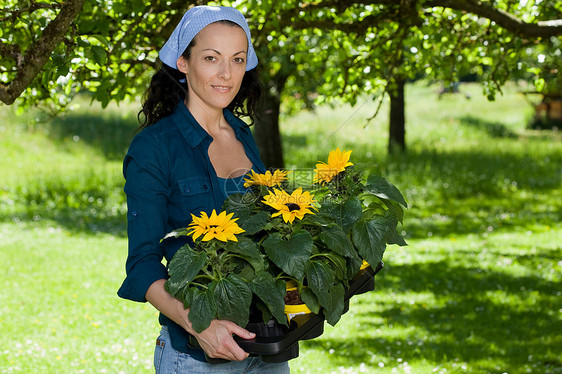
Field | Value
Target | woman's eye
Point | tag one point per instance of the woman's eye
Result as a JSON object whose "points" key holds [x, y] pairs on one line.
{"points": [[239, 60], [210, 58]]}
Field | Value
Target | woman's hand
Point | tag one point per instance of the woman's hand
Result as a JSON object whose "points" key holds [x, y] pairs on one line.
{"points": [[217, 340]]}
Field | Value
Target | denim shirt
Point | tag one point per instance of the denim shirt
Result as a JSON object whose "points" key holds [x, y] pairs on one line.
{"points": [[168, 177]]}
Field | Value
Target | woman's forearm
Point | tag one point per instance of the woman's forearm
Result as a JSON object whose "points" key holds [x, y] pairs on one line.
{"points": [[216, 340], [168, 305]]}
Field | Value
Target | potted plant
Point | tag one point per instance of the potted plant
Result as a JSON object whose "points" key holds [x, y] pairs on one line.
{"points": [[315, 237], [295, 309], [218, 276]]}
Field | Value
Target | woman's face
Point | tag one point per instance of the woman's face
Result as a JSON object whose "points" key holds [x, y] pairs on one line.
{"points": [[216, 66]]}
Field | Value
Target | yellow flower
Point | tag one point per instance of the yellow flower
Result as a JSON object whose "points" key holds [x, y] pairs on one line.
{"points": [[292, 206], [220, 227], [266, 179], [337, 162]]}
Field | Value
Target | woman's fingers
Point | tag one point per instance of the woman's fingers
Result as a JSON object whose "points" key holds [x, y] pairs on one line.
{"points": [[217, 340], [241, 332]]}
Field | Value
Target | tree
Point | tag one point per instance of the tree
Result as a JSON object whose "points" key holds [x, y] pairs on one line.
{"points": [[365, 47], [108, 50], [309, 52]]}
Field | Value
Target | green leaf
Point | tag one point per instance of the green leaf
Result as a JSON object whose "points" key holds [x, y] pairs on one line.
{"points": [[397, 239], [290, 255], [337, 240], [320, 279], [310, 299], [255, 222], [340, 266], [58, 60], [68, 87], [265, 287], [62, 70], [395, 209], [239, 204], [345, 214], [334, 309], [265, 312], [318, 220], [184, 267], [176, 233], [369, 236], [380, 187], [248, 250], [85, 43], [246, 247], [393, 236], [233, 297], [203, 309], [187, 296], [103, 40], [99, 54]]}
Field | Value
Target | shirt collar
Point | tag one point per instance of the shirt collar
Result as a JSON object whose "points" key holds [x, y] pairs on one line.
{"points": [[194, 133]]}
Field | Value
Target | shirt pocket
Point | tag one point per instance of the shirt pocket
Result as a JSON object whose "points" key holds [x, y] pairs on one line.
{"points": [[195, 195]]}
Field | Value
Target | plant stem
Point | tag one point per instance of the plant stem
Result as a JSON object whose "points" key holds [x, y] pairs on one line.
{"points": [[205, 276], [199, 285]]}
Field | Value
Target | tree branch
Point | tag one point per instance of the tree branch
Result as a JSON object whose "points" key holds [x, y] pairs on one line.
{"points": [[13, 14], [542, 29], [39, 52]]}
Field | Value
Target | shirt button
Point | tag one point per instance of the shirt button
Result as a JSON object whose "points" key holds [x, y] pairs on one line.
{"points": [[205, 187], [186, 190], [135, 214]]}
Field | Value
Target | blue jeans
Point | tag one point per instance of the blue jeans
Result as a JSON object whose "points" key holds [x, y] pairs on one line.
{"points": [[169, 361]]}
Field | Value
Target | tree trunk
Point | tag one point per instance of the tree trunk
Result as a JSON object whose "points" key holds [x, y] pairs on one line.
{"points": [[397, 130], [37, 55], [266, 130]]}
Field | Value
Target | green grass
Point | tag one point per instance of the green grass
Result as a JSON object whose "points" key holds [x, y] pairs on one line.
{"points": [[478, 289]]}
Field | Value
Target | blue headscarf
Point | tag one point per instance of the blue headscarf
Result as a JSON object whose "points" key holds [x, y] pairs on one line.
{"points": [[193, 21]]}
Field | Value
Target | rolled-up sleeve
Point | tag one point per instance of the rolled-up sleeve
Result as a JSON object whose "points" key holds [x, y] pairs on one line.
{"points": [[147, 188]]}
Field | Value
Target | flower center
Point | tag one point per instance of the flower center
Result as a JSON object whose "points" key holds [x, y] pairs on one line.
{"points": [[292, 206]]}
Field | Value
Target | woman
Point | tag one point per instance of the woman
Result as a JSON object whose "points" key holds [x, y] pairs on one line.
{"points": [[192, 151]]}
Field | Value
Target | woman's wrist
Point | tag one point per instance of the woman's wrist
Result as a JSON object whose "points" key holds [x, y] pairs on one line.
{"points": [[183, 319]]}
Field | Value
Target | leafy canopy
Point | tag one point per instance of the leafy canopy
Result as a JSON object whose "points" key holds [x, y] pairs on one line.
{"points": [[309, 52]]}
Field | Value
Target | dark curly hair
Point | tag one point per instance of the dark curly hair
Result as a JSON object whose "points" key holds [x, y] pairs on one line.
{"points": [[168, 86]]}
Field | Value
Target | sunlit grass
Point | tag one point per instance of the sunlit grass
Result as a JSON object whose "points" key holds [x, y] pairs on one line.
{"points": [[58, 309], [475, 305], [478, 289]]}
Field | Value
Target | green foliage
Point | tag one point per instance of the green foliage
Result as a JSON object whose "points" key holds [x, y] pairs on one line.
{"points": [[213, 279], [183, 269], [290, 254], [319, 252], [106, 53], [309, 53]]}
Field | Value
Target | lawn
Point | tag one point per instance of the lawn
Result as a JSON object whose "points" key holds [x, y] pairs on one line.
{"points": [[478, 289]]}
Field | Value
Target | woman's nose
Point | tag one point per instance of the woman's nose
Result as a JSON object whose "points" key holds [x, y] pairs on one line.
{"points": [[225, 70]]}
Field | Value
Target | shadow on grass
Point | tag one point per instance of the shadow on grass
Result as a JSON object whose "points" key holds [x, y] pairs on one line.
{"points": [[492, 320], [450, 193], [494, 129], [76, 220], [88, 220], [89, 202], [110, 134], [472, 191], [295, 141]]}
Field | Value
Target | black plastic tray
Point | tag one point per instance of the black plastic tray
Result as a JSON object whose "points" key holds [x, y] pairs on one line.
{"points": [[278, 343]]}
